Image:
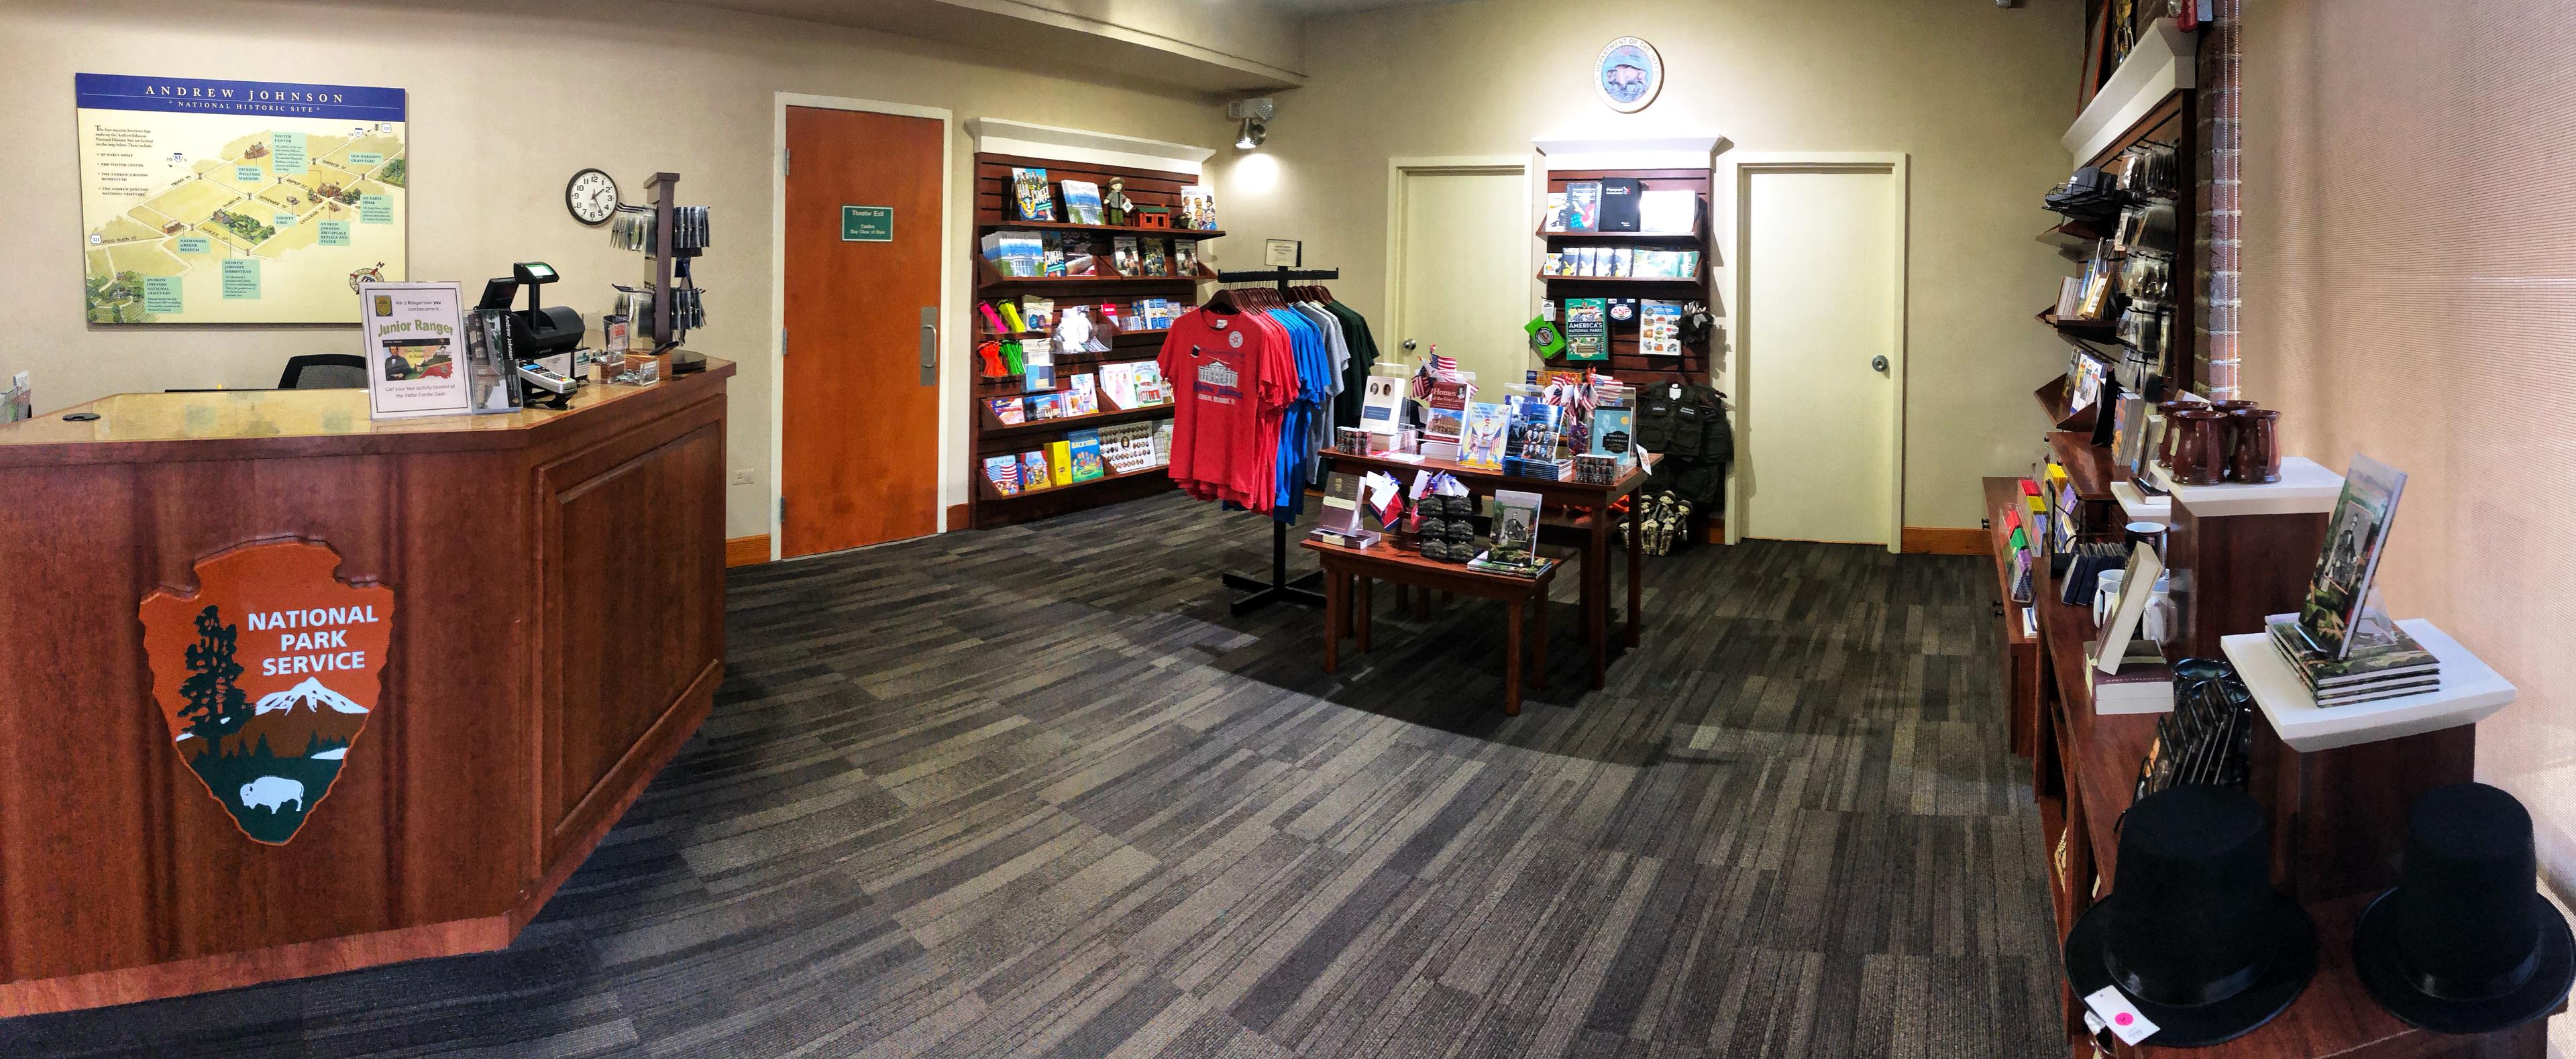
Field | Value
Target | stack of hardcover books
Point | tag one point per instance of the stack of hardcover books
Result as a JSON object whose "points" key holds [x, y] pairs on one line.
{"points": [[2367, 672]]}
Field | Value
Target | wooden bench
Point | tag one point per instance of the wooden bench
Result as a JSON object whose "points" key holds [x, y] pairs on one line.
{"points": [[1348, 572]]}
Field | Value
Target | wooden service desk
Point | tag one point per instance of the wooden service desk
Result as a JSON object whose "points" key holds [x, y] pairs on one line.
{"points": [[290, 691]]}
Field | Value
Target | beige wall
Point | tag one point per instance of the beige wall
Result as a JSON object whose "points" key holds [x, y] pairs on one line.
{"points": [[507, 100], [1977, 96], [2410, 293]]}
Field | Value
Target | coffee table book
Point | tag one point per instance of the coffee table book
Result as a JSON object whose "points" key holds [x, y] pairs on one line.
{"points": [[2469, 692]]}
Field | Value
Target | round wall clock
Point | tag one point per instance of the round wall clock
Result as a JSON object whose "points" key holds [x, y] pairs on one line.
{"points": [[591, 195], [1628, 74]]}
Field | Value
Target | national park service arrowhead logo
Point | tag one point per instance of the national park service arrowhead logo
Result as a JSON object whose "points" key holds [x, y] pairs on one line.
{"points": [[267, 673]]}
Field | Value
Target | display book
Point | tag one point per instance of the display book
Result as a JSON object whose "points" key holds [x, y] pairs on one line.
{"points": [[2343, 648], [1082, 456], [1122, 386], [1621, 205], [1075, 254]]}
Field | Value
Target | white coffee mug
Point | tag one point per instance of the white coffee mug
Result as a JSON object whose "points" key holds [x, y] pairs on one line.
{"points": [[2106, 594]]}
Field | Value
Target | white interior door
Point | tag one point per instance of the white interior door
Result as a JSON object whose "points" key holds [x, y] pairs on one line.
{"points": [[1819, 321], [1463, 271]]}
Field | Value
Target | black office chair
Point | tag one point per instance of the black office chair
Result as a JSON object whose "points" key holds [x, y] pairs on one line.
{"points": [[324, 371]]}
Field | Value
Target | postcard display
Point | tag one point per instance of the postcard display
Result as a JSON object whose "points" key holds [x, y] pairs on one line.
{"points": [[1078, 270]]}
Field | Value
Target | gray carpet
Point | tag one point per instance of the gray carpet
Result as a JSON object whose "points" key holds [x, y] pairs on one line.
{"points": [[1031, 792]]}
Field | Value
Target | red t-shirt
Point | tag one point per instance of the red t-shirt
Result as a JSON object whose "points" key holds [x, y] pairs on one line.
{"points": [[1226, 372]]}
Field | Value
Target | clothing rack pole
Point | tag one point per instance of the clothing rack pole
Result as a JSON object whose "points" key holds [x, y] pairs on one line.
{"points": [[1279, 587]]}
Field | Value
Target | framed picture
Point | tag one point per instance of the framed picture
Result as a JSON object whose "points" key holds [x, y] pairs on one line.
{"points": [[1628, 74]]}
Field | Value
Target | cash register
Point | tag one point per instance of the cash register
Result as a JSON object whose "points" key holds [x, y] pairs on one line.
{"points": [[537, 333]]}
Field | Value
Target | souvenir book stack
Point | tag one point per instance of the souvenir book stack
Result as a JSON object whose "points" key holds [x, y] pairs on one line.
{"points": [[2386, 669]]}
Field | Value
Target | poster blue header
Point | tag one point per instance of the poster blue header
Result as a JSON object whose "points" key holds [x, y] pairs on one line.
{"points": [[283, 99]]}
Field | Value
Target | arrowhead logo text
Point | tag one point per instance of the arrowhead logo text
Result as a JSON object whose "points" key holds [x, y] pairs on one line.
{"points": [[267, 675]]}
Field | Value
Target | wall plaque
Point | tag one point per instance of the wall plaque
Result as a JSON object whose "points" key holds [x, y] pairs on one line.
{"points": [[267, 674]]}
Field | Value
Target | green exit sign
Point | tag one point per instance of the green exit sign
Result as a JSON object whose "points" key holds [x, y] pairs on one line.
{"points": [[867, 224]]}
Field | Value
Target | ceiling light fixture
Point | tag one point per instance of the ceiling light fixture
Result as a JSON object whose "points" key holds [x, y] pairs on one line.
{"points": [[1255, 114]]}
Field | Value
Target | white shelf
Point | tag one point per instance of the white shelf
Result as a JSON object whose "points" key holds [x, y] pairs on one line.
{"points": [[2305, 488], [2469, 692], [2163, 62], [2137, 506]]}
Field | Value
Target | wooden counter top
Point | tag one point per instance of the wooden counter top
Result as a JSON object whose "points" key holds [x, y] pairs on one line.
{"points": [[154, 427]]}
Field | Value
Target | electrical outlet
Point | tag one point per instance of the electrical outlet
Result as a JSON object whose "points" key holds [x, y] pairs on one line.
{"points": [[742, 476]]}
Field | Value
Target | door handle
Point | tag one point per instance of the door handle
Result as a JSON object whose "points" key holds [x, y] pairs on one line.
{"points": [[1408, 345], [930, 345], [1878, 363]]}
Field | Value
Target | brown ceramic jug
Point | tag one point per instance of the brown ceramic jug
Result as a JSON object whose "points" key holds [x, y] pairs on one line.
{"points": [[2254, 450]]}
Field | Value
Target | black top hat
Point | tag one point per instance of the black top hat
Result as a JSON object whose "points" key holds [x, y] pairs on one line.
{"points": [[2193, 934], [2465, 943]]}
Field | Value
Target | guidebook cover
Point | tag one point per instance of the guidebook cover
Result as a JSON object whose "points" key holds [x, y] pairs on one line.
{"points": [[1487, 431], [1030, 197], [1082, 202], [2354, 539]]}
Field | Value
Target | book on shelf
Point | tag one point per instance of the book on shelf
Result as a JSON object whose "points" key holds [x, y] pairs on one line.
{"points": [[1081, 395], [1046, 406], [1009, 411], [1030, 198], [1123, 256], [1051, 259], [1150, 388], [1612, 433], [1018, 255], [1583, 206], [1185, 257], [1587, 329], [1669, 212], [1082, 451], [1059, 460], [1154, 258], [2143, 684], [1118, 386], [1082, 202], [1198, 207], [1486, 432], [1033, 470], [2399, 660], [1620, 203], [2339, 588], [1445, 408], [1004, 473], [1555, 221]]}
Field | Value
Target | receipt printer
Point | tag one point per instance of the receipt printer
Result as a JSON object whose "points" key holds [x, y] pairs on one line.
{"points": [[536, 332]]}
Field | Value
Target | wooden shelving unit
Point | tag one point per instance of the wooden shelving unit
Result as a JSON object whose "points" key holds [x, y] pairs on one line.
{"points": [[1625, 362], [990, 437], [2169, 122]]}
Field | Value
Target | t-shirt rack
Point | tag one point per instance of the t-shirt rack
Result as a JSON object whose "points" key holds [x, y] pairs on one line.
{"points": [[1256, 393]]}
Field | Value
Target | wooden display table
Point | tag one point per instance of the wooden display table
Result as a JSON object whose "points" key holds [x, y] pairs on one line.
{"points": [[293, 691], [2084, 768], [1591, 535], [1350, 569]]}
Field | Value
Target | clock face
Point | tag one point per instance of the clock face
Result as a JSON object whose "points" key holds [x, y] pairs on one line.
{"points": [[591, 196]]}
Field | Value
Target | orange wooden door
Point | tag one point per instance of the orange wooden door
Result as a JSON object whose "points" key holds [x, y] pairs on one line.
{"points": [[860, 427]]}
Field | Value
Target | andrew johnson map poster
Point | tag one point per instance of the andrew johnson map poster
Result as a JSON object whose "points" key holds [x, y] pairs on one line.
{"points": [[237, 202]]}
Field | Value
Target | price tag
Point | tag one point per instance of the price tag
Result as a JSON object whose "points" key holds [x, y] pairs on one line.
{"points": [[2121, 1016]]}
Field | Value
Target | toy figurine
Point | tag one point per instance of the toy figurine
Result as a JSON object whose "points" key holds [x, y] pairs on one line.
{"points": [[1115, 203]]}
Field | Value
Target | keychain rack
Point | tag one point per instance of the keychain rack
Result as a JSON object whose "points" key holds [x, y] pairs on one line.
{"points": [[1279, 588], [664, 326]]}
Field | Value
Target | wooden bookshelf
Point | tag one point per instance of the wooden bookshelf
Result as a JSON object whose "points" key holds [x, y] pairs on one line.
{"points": [[1695, 364], [990, 437]]}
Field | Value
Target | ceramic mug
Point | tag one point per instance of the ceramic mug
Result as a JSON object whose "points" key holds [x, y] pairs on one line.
{"points": [[2200, 446], [2106, 594], [2254, 453], [2165, 440]]}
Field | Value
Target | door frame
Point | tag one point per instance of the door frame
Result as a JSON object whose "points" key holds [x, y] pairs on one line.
{"points": [[1736, 172], [951, 477], [1460, 164]]}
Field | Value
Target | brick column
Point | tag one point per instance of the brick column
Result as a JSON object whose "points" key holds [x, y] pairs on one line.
{"points": [[2221, 113]]}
